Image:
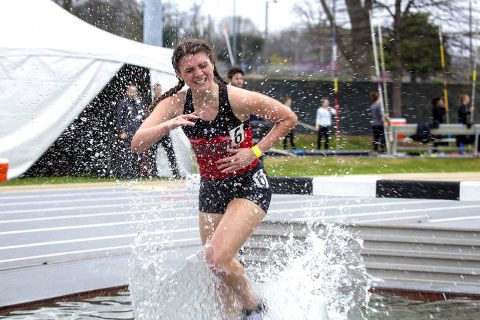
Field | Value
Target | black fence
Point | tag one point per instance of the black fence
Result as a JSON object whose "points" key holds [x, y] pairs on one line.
{"points": [[354, 100]]}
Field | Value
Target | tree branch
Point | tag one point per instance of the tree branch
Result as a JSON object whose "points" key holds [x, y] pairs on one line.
{"points": [[384, 6]]}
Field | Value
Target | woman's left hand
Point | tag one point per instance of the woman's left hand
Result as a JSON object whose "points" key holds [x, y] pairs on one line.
{"points": [[240, 158]]}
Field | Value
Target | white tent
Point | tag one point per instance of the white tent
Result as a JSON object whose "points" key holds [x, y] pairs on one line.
{"points": [[52, 65]]}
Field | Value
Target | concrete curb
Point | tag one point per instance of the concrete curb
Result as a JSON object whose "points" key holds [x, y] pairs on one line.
{"points": [[372, 187]]}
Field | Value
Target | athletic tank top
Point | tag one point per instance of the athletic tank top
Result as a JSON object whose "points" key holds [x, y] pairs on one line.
{"points": [[211, 139]]}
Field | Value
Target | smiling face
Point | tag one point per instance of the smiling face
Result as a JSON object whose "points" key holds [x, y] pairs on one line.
{"points": [[197, 71]]}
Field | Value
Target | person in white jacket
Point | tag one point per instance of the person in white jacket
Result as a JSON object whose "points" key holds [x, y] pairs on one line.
{"points": [[323, 123]]}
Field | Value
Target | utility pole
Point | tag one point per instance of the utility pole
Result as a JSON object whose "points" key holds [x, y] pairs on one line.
{"points": [[265, 44], [335, 73], [444, 69], [471, 35], [234, 29], [153, 22]]}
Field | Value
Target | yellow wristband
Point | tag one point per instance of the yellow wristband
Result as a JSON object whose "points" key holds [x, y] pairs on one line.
{"points": [[257, 151]]}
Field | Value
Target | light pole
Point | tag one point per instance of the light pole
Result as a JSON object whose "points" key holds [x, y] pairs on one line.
{"points": [[234, 29], [153, 23], [265, 45]]}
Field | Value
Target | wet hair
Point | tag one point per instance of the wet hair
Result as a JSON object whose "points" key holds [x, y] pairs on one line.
{"points": [[233, 71], [374, 96], [188, 46]]}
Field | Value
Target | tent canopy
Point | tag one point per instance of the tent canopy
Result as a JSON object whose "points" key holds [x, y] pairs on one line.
{"points": [[52, 65]]}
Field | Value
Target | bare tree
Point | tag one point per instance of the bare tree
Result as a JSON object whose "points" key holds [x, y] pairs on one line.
{"points": [[399, 12], [354, 43]]}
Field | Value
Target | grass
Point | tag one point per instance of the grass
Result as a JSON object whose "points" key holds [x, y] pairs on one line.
{"points": [[318, 166], [54, 180], [345, 142]]}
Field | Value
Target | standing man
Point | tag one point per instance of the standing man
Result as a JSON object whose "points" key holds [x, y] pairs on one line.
{"points": [[464, 112], [438, 116], [377, 123], [236, 77], [323, 123], [129, 116], [165, 142]]}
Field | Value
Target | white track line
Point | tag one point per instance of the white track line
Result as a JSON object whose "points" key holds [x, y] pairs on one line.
{"points": [[103, 214], [86, 226], [127, 235], [455, 219], [109, 224], [68, 253], [312, 205], [393, 219], [126, 199], [383, 213], [82, 207], [53, 193]]}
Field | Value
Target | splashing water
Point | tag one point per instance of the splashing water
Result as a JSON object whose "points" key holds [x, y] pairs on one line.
{"points": [[318, 274]]}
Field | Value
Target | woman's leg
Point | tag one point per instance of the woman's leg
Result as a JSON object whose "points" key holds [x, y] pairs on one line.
{"points": [[232, 230]]}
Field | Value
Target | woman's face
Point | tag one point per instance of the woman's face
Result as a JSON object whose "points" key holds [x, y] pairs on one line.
{"points": [[197, 71]]}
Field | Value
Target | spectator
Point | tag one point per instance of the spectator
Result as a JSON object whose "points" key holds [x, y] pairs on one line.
{"points": [[438, 111], [377, 123], [323, 123], [464, 113], [291, 136], [165, 142], [438, 115], [130, 114], [236, 77]]}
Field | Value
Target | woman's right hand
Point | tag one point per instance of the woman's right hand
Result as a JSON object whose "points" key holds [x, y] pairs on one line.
{"points": [[182, 120]]}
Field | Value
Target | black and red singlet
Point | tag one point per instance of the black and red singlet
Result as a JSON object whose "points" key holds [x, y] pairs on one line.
{"points": [[210, 140]]}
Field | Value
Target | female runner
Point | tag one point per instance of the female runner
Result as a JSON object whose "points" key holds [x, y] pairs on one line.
{"points": [[234, 190]]}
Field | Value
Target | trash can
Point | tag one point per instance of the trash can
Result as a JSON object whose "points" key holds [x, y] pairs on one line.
{"points": [[397, 122], [3, 169]]}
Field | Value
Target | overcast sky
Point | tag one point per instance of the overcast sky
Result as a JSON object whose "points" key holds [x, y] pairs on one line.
{"points": [[280, 12]]}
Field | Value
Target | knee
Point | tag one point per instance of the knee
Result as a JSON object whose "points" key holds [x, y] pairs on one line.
{"points": [[215, 261]]}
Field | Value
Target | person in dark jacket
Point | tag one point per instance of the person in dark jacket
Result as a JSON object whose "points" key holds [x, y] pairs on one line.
{"points": [[130, 114], [464, 114], [165, 142], [377, 123], [438, 114], [438, 111]]}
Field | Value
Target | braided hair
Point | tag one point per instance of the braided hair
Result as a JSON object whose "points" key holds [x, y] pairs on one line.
{"points": [[189, 46]]}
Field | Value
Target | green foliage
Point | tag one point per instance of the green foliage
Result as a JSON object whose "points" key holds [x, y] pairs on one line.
{"points": [[420, 47]]}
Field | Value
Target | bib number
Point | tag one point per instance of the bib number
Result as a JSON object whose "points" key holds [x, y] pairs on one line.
{"points": [[237, 135], [260, 179]]}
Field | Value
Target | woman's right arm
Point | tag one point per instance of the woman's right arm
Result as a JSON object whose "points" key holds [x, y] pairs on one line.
{"points": [[167, 115]]}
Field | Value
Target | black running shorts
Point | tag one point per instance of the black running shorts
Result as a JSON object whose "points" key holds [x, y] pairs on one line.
{"points": [[253, 185]]}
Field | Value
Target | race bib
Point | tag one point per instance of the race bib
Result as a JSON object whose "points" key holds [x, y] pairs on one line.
{"points": [[237, 135], [260, 179]]}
